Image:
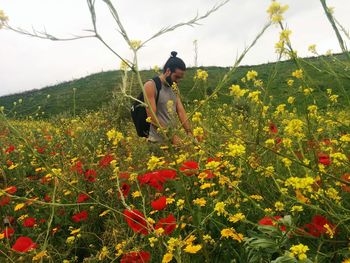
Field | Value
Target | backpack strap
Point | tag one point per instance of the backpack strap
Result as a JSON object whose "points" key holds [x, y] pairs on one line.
{"points": [[158, 83]]}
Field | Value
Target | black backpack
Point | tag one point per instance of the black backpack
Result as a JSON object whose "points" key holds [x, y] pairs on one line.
{"points": [[139, 114]]}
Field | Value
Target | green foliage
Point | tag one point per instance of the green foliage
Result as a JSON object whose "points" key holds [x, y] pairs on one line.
{"points": [[96, 91]]}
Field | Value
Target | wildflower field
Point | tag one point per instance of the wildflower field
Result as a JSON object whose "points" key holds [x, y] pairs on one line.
{"points": [[259, 181]]}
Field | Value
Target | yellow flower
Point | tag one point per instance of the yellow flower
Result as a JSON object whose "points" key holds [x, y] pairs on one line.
{"points": [[74, 231], [251, 75], [329, 231], [279, 206], [312, 49], [201, 75], [104, 213], [290, 82], [123, 65], [180, 204], [206, 186], [70, 240], [307, 91], [152, 240], [114, 136], [236, 217], [258, 83], [235, 150], [254, 96], [220, 208], [333, 194], [3, 18], [298, 74], [154, 162], [135, 44], [256, 197], [294, 128], [297, 183], [231, 233], [287, 162], [338, 158], [198, 131], [19, 206], [103, 254], [197, 117], [235, 90], [167, 257], [208, 239], [345, 138], [40, 255], [334, 98], [136, 194], [290, 100], [156, 69], [276, 11], [297, 208], [284, 35], [200, 202], [192, 249], [299, 251], [280, 108]]}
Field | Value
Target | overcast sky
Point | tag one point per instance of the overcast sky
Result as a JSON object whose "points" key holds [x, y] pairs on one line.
{"points": [[31, 63]]}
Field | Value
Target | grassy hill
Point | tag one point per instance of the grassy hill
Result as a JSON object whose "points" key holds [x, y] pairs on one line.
{"points": [[94, 91]]}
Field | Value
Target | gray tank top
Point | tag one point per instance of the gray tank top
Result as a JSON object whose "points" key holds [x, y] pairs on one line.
{"points": [[163, 113]]}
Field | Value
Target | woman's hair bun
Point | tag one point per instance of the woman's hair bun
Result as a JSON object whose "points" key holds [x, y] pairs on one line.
{"points": [[173, 54]]}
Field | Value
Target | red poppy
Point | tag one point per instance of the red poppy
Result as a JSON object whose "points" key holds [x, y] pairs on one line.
{"points": [[82, 216], [156, 179], [159, 204], [278, 140], [23, 244], [8, 232], [326, 141], [125, 190], [40, 149], [78, 167], [316, 227], [168, 224], [45, 180], [273, 128], [29, 222], [167, 174], [10, 149], [82, 198], [90, 175], [136, 257], [324, 159], [189, 168], [5, 200], [136, 221], [47, 198], [346, 187], [209, 175], [106, 160], [11, 190], [124, 175], [213, 159], [271, 221]]}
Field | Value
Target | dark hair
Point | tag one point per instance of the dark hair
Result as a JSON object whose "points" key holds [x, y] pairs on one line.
{"points": [[174, 62]]}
